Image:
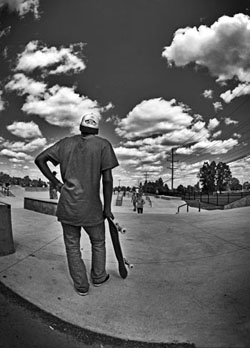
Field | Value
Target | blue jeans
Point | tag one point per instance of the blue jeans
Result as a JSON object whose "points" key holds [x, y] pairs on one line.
{"points": [[77, 269]]}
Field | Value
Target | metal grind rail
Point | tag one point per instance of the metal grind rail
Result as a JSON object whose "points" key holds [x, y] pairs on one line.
{"points": [[186, 204]]}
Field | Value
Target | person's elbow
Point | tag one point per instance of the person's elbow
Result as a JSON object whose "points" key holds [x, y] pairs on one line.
{"points": [[39, 160]]}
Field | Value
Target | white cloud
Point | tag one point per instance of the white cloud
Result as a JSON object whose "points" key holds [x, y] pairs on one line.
{"points": [[213, 147], [213, 123], [1, 101], [217, 134], [30, 146], [150, 169], [24, 85], [5, 31], [229, 121], [241, 89], [34, 145], [22, 6], [61, 106], [15, 160], [240, 169], [133, 157], [17, 155], [208, 93], [217, 106], [58, 61], [154, 116], [26, 130], [126, 153], [155, 126], [223, 48]]}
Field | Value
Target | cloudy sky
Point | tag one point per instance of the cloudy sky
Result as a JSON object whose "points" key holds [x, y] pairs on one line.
{"points": [[162, 74]]}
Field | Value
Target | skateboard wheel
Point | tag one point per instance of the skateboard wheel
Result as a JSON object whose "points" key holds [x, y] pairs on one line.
{"points": [[130, 265]]}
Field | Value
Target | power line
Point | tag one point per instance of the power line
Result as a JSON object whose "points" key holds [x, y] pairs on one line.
{"points": [[214, 146], [237, 108]]}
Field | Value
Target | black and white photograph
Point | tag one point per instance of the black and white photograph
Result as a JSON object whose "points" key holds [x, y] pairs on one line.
{"points": [[124, 174]]}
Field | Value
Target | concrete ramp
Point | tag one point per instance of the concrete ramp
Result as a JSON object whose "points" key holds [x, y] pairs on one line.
{"points": [[189, 286]]}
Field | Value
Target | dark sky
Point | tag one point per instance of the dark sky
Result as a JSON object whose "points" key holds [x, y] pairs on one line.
{"points": [[149, 99]]}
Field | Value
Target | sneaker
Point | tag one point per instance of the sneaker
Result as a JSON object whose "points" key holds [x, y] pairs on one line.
{"points": [[80, 292], [103, 282]]}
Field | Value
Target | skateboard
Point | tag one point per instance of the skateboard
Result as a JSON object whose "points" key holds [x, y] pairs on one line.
{"points": [[122, 262]]}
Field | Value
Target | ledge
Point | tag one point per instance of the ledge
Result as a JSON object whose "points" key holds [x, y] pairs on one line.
{"points": [[40, 205]]}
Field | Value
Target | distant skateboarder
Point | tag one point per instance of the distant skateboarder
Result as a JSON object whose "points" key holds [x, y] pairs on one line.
{"points": [[133, 199], [84, 160], [140, 203]]}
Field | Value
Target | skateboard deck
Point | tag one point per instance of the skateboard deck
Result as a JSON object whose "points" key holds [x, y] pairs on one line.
{"points": [[117, 248]]}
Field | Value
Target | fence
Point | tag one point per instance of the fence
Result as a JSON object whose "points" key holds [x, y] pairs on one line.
{"points": [[219, 199]]}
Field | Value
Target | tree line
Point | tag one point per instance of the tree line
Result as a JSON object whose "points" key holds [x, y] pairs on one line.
{"points": [[212, 177], [25, 181]]}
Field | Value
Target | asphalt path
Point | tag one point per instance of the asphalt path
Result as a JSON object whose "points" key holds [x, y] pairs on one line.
{"points": [[23, 325]]}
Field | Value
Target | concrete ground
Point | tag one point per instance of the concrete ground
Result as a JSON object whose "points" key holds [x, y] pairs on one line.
{"points": [[190, 282]]}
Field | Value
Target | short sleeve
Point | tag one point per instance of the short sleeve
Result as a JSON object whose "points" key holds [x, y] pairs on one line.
{"points": [[109, 160], [53, 153]]}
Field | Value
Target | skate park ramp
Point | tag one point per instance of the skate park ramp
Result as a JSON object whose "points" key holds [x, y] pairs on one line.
{"points": [[190, 281]]}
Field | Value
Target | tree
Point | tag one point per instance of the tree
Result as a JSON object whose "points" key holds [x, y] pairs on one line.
{"points": [[26, 180], [246, 185], [159, 183], [207, 176], [235, 184], [4, 178], [181, 189], [223, 176], [214, 176]]}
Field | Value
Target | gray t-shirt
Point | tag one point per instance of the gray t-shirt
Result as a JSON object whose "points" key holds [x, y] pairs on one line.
{"points": [[82, 161]]}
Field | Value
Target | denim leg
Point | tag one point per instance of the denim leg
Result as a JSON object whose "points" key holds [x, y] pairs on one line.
{"points": [[97, 238], [77, 269]]}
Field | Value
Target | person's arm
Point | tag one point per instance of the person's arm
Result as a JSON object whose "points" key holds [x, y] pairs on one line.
{"points": [[107, 181], [41, 162]]}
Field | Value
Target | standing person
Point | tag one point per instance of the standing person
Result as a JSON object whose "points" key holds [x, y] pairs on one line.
{"points": [[84, 160], [52, 188], [133, 199], [139, 203]]}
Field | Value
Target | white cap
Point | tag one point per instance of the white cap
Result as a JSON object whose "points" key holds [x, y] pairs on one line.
{"points": [[90, 120]]}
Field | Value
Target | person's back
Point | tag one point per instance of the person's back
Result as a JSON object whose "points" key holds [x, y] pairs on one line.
{"points": [[84, 159]]}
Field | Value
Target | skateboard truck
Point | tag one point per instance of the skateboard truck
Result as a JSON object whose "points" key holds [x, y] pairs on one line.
{"points": [[119, 228], [130, 265]]}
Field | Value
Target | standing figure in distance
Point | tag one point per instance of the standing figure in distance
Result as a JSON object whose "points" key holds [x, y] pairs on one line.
{"points": [[133, 199], [140, 203], [85, 159]]}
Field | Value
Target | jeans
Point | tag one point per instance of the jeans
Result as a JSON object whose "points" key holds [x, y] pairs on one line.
{"points": [[77, 269]]}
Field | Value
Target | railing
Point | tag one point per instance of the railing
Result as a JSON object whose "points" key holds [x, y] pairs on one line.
{"points": [[186, 204], [183, 205]]}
